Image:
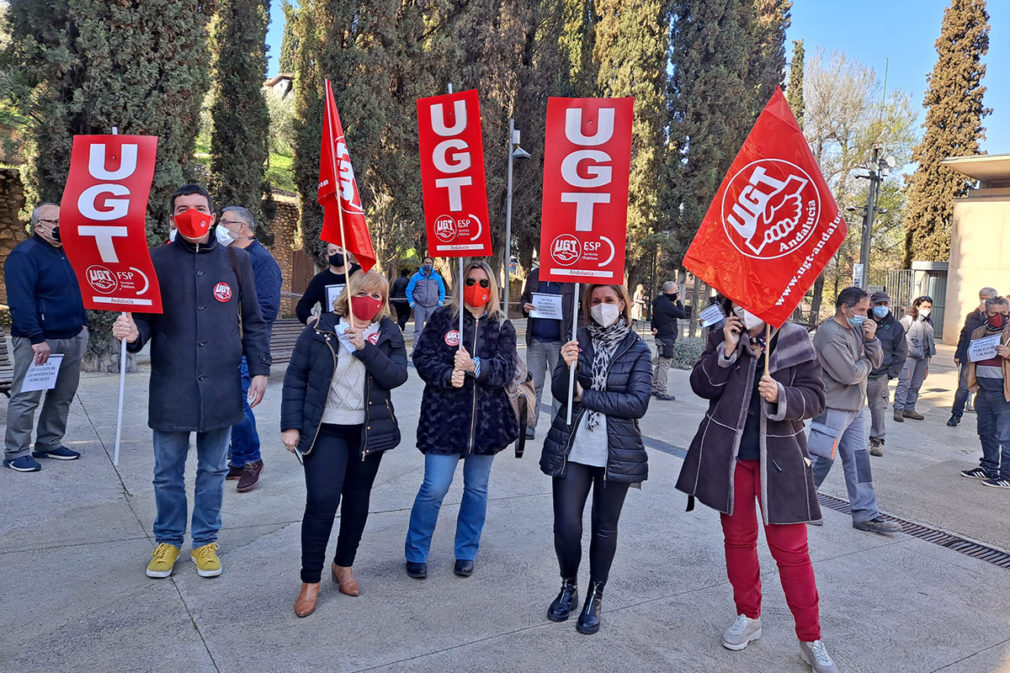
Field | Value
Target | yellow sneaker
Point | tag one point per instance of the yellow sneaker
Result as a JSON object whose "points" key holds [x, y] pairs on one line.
{"points": [[206, 560], [162, 560]]}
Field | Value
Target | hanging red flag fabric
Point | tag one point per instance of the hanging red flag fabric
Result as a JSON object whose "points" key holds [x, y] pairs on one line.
{"points": [[773, 225], [338, 191]]}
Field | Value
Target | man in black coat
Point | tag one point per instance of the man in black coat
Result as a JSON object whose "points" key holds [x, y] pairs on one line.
{"points": [[972, 322], [666, 308], [892, 341], [211, 320]]}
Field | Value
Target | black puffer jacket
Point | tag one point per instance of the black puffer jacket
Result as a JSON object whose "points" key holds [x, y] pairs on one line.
{"points": [[478, 417], [626, 399], [307, 383]]}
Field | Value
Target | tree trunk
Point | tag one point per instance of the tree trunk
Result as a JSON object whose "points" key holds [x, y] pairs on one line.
{"points": [[815, 303]]}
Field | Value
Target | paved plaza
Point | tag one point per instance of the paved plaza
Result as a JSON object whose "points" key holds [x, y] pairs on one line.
{"points": [[75, 539]]}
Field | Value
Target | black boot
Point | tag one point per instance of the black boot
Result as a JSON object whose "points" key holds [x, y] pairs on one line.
{"points": [[566, 603], [589, 618]]}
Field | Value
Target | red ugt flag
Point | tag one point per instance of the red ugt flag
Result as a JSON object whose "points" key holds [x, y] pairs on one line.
{"points": [[773, 225], [338, 191]]}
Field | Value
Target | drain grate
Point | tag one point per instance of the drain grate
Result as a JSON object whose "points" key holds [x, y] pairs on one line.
{"points": [[938, 537]]}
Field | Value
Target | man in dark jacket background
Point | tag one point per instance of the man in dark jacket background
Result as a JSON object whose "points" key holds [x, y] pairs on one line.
{"points": [[47, 317], [891, 335], [398, 299], [238, 228], [544, 336], [972, 322], [196, 351], [666, 308], [325, 286]]}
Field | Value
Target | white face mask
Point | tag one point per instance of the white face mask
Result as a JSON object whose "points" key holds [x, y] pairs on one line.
{"points": [[224, 237], [749, 320], [924, 312], [605, 314], [172, 233]]}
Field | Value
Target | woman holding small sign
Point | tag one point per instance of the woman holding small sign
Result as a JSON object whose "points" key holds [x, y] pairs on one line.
{"points": [[601, 450], [465, 413], [921, 347], [752, 447], [336, 413]]}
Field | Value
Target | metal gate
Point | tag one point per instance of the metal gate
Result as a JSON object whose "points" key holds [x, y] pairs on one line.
{"points": [[924, 278]]}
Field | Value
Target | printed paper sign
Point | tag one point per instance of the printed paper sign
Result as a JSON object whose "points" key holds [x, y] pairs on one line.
{"points": [[42, 377], [587, 161], [332, 292], [548, 306], [983, 348], [773, 225], [102, 222], [452, 175], [711, 315]]}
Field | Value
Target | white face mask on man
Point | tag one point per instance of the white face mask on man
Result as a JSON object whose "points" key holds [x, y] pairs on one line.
{"points": [[223, 235], [749, 320], [605, 314]]}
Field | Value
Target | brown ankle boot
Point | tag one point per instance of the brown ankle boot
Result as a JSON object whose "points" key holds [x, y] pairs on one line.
{"points": [[305, 604], [344, 578]]}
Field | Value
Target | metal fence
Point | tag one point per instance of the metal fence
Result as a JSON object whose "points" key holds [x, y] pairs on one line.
{"points": [[905, 285]]}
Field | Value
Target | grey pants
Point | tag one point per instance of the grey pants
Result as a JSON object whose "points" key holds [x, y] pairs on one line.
{"points": [[850, 444], [421, 315], [877, 396], [53, 418], [909, 382], [664, 347], [542, 357]]}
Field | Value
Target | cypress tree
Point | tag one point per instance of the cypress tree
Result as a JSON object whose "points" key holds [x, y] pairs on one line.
{"points": [[289, 39], [241, 120], [954, 114], [794, 92], [86, 66], [768, 24]]}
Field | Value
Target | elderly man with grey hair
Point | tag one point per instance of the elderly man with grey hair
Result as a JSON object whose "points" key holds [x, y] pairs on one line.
{"points": [[47, 319], [237, 227], [972, 322], [666, 309]]}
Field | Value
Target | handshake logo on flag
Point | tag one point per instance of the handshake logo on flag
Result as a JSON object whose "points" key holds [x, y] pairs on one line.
{"points": [[770, 208]]}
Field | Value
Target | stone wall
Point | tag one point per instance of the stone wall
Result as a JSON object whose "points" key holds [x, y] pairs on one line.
{"points": [[287, 241], [12, 227]]}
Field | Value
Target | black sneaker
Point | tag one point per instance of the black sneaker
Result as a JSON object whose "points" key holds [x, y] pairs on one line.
{"points": [[417, 570], [666, 397], [976, 473], [59, 453], [877, 525], [23, 464], [953, 421], [999, 482]]}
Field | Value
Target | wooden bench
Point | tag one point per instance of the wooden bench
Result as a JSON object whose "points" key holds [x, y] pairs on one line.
{"points": [[6, 367], [282, 340]]}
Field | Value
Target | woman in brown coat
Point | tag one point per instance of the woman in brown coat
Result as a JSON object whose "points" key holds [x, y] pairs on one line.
{"points": [[751, 446]]}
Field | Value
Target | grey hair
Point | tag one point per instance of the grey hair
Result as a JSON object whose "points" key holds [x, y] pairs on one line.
{"points": [[36, 214], [668, 285], [987, 292], [996, 301], [243, 214]]}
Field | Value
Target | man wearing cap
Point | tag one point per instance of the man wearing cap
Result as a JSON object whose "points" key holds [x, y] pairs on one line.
{"points": [[892, 341]]}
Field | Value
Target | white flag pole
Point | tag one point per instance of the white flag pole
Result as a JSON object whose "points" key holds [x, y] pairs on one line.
{"points": [[122, 378], [462, 304], [571, 370]]}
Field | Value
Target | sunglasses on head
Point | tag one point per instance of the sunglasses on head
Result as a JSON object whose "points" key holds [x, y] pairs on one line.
{"points": [[484, 282]]}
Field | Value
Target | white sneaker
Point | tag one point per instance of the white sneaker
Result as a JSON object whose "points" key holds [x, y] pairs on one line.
{"points": [[816, 655], [741, 632]]}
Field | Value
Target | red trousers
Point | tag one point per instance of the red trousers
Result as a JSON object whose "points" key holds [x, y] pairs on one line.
{"points": [[788, 545]]}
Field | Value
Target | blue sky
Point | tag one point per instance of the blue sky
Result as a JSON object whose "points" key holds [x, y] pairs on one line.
{"points": [[898, 32]]}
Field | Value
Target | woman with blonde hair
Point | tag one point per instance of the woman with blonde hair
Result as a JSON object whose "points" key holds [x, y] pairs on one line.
{"points": [[465, 413], [337, 417]]}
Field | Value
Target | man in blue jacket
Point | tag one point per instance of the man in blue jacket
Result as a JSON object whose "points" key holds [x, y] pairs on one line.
{"points": [[425, 293], [237, 227], [47, 317], [197, 346]]}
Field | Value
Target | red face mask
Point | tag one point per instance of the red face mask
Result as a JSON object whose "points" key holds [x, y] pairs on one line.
{"points": [[365, 308], [192, 224], [475, 295]]}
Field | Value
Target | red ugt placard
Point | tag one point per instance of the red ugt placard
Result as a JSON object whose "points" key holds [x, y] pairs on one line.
{"points": [[102, 223], [452, 175], [773, 225], [587, 161]]}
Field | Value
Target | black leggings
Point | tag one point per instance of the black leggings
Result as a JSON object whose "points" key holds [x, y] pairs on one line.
{"points": [[570, 494], [333, 469]]}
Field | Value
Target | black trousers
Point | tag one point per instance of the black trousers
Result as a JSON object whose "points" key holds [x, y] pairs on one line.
{"points": [[333, 469], [402, 313], [570, 495]]}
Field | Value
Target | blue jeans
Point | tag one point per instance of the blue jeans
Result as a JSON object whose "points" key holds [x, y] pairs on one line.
{"points": [[438, 472], [851, 444], [245, 441], [170, 449], [993, 413], [963, 395]]}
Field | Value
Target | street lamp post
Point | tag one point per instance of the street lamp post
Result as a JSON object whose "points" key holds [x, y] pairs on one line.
{"points": [[877, 171], [515, 152]]}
